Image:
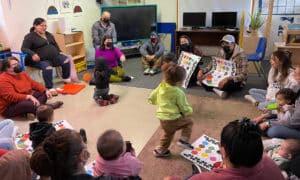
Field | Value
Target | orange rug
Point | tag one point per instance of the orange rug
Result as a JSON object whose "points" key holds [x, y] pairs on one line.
{"points": [[72, 88]]}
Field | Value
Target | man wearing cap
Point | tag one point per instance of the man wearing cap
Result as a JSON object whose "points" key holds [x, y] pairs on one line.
{"points": [[103, 27], [151, 54], [231, 52]]}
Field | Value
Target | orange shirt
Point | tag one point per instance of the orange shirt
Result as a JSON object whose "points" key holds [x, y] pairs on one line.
{"points": [[14, 88]]}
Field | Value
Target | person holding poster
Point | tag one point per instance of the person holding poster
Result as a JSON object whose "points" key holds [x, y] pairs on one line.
{"points": [[235, 63]]}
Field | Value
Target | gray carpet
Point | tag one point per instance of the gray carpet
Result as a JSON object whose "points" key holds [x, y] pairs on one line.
{"points": [[133, 67]]}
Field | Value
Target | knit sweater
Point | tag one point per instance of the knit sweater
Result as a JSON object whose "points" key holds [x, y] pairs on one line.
{"points": [[15, 88]]}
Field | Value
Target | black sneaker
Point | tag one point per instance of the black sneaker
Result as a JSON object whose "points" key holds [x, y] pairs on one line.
{"points": [[156, 153], [126, 78], [83, 135], [184, 144], [195, 169]]}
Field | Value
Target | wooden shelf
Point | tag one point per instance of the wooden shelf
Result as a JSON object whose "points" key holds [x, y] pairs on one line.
{"points": [[73, 44]]}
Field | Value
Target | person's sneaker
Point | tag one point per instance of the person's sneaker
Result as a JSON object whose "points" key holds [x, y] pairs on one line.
{"points": [[153, 71], [126, 78], [147, 71], [195, 169], [102, 102], [30, 116], [156, 153], [184, 144], [251, 99], [83, 135], [222, 94], [113, 98], [53, 92], [56, 104]]}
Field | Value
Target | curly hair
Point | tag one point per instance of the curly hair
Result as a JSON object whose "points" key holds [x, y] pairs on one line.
{"points": [[173, 73]]}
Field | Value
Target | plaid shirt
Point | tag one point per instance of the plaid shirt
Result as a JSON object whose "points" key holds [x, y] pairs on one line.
{"points": [[240, 59]]}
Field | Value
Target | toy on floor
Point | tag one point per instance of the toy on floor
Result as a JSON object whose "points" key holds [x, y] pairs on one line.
{"points": [[87, 77], [205, 153]]}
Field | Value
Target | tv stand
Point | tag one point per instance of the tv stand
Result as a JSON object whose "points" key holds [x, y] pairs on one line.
{"points": [[206, 36]]}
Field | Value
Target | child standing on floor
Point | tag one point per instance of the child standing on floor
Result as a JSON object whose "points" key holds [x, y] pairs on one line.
{"points": [[101, 81], [173, 109], [116, 157]]}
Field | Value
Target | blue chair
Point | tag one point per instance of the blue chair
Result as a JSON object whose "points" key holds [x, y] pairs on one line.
{"points": [[22, 56], [258, 56]]}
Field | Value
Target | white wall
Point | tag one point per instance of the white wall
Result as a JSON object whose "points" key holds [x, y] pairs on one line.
{"points": [[17, 17], [209, 6], [166, 10]]}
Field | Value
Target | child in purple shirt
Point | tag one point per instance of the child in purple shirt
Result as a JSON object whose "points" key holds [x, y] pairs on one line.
{"points": [[111, 54]]}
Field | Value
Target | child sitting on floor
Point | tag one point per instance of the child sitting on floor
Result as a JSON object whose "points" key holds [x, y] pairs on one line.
{"points": [[38, 131], [283, 152], [285, 99], [101, 81], [116, 157], [173, 109]]}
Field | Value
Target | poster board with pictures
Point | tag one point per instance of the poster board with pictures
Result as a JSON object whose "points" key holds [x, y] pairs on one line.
{"points": [[189, 61], [89, 168], [221, 69], [22, 141], [205, 153]]}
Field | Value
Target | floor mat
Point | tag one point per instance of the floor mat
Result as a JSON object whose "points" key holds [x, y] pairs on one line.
{"points": [[72, 88]]}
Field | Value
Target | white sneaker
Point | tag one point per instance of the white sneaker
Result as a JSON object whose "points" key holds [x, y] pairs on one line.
{"points": [[251, 99], [222, 94]]}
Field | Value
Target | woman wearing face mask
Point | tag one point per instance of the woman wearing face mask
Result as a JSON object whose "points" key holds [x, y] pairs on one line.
{"points": [[185, 44], [111, 55], [19, 94], [152, 52], [231, 52]]}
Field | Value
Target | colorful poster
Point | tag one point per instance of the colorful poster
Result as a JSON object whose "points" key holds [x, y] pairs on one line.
{"points": [[205, 153], [22, 141], [221, 69], [189, 61]]}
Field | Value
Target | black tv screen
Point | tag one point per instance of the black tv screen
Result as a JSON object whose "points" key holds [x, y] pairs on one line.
{"points": [[194, 19], [133, 22], [224, 19]]}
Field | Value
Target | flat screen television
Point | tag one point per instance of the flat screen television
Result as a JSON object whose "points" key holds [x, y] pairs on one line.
{"points": [[224, 19], [133, 22], [194, 19]]}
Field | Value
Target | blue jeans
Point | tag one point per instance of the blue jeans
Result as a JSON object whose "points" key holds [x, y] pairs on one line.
{"points": [[47, 73], [6, 133], [279, 131], [260, 96]]}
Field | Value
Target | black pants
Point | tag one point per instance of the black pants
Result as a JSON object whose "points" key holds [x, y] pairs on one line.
{"points": [[228, 87]]}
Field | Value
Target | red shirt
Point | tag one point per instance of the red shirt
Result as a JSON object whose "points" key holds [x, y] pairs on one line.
{"points": [[14, 88], [266, 169]]}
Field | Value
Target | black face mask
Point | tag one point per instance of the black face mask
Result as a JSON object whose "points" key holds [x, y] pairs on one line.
{"points": [[18, 69], [109, 44], [185, 47], [226, 49], [105, 20]]}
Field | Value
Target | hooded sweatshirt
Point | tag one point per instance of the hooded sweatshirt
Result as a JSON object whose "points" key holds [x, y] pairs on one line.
{"points": [[38, 131]]}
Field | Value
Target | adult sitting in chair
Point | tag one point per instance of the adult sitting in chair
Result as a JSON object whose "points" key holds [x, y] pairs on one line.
{"points": [[151, 54], [232, 52], [44, 52], [19, 94]]}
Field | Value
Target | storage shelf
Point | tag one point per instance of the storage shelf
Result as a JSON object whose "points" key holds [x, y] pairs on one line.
{"points": [[74, 44], [78, 57]]}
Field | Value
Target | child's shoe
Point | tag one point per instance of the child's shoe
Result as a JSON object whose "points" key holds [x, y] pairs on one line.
{"points": [[222, 94], [156, 153], [102, 102], [184, 144], [83, 135], [113, 98]]}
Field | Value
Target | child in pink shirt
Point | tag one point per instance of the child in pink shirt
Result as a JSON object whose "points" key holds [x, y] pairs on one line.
{"points": [[116, 157]]}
